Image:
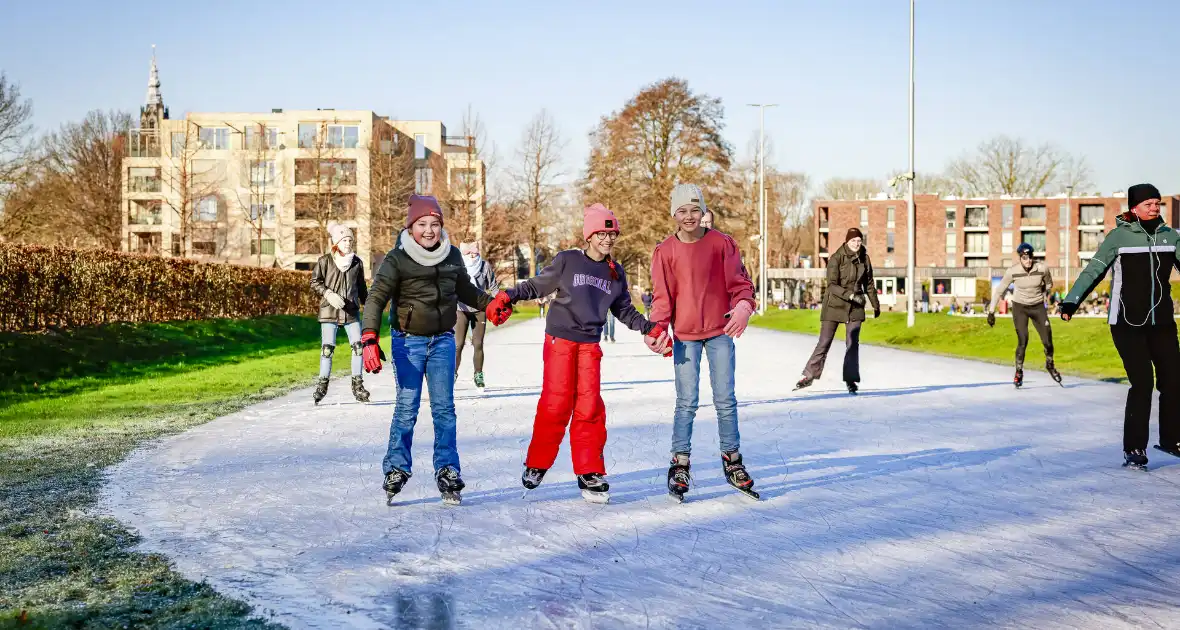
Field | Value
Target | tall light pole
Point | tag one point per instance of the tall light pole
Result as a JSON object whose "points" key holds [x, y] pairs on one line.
{"points": [[1068, 234], [911, 277], [762, 245]]}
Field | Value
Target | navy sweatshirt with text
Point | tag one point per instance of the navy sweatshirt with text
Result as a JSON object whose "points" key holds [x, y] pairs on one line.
{"points": [[586, 296]]}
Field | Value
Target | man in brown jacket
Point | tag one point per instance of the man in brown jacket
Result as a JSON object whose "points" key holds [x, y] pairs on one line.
{"points": [[1031, 284]]}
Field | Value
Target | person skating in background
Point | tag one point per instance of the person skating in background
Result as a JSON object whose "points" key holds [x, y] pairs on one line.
{"points": [[1142, 250], [590, 289], [702, 290], [608, 330], [646, 298], [1032, 283], [470, 318], [426, 279], [339, 279], [850, 286]]}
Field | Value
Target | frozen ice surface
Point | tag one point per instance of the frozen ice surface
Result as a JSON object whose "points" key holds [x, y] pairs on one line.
{"points": [[940, 497]]}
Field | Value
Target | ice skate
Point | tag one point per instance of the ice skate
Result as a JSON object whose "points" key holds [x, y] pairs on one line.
{"points": [[594, 487], [450, 484], [532, 478], [736, 475], [679, 477], [1136, 459], [852, 388], [1173, 450], [358, 389], [479, 381], [394, 481], [806, 381], [1018, 379], [1052, 370], [321, 390]]}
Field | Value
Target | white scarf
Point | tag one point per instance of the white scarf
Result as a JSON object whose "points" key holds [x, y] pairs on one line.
{"points": [[343, 262], [473, 266], [420, 254]]}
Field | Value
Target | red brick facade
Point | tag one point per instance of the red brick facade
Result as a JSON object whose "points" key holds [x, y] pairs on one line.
{"points": [[972, 232]]}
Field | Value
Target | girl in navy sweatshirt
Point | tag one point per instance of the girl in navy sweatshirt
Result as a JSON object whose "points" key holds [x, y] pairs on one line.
{"points": [[590, 288]]}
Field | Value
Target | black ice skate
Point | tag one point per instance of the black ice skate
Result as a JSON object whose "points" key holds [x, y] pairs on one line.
{"points": [[358, 389], [678, 477], [532, 477], [736, 475], [394, 481], [852, 388], [321, 390], [1173, 450], [1136, 459], [1052, 370], [594, 487], [479, 380], [450, 484], [806, 381], [1018, 380]]}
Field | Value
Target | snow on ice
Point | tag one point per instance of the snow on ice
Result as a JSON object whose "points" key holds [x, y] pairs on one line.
{"points": [[940, 497]]}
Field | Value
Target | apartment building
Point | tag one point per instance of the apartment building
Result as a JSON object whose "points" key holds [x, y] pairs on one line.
{"points": [[259, 188]]}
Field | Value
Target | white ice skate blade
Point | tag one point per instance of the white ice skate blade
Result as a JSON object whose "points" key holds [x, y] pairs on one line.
{"points": [[596, 497], [453, 500]]}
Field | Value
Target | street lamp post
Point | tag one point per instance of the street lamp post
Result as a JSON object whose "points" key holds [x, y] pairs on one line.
{"points": [[762, 244], [911, 279], [1068, 234]]}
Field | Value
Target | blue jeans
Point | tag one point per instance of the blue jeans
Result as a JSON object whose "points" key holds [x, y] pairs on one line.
{"points": [[686, 355], [415, 357], [608, 329], [328, 338]]}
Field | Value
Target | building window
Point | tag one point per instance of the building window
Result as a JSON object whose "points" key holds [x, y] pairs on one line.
{"points": [[1092, 215], [304, 266], [889, 242], [976, 242], [214, 138], [262, 172], [259, 138], [864, 217], [951, 243], [307, 135], [1091, 240], [205, 209], [1006, 243], [1036, 239], [941, 286], [976, 217], [1033, 216], [205, 248], [1006, 215], [976, 262], [890, 215], [342, 136], [1062, 214], [325, 206], [423, 178], [145, 242], [143, 179], [464, 181], [308, 241], [1061, 240], [268, 246], [178, 144], [325, 172], [145, 212], [419, 146], [950, 218], [264, 211]]}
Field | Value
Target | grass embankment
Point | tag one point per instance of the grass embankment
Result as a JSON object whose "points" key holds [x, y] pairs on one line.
{"points": [[72, 404], [1082, 347]]}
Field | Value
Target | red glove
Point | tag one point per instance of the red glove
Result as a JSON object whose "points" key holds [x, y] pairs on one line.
{"points": [[500, 309], [371, 352], [658, 341]]}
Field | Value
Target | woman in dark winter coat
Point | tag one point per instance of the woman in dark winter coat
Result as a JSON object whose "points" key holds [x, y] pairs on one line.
{"points": [[470, 318], [850, 285], [339, 279], [426, 280]]}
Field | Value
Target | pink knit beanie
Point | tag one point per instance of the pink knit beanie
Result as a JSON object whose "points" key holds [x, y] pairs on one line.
{"points": [[599, 219]]}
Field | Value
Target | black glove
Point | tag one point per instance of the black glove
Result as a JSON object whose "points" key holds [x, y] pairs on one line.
{"points": [[876, 312], [991, 318], [1066, 310], [858, 299]]}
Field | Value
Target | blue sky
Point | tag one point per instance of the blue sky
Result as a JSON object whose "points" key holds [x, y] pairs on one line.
{"points": [[1096, 77]]}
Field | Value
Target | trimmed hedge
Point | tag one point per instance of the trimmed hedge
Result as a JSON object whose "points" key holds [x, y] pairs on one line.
{"points": [[60, 287]]}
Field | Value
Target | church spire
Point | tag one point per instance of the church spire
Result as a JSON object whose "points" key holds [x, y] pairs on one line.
{"points": [[153, 92]]}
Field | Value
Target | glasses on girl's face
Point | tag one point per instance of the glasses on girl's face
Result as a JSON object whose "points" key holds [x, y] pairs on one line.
{"points": [[606, 236]]}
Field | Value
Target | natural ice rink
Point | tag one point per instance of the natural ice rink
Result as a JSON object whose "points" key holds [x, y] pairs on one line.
{"points": [[940, 497]]}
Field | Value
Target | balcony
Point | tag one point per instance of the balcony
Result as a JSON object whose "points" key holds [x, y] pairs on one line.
{"points": [[143, 143]]}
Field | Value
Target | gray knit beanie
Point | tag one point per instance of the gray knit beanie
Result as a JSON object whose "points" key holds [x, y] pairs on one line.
{"points": [[687, 194]]}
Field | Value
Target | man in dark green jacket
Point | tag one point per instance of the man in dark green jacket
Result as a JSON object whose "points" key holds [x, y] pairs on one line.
{"points": [[850, 285], [1141, 250]]}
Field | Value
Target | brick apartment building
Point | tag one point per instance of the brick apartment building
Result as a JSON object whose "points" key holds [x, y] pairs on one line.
{"points": [[960, 240], [205, 185]]}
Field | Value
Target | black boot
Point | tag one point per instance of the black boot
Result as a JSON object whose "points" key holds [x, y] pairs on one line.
{"points": [[358, 389], [394, 480], [1052, 370], [736, 474], [1135, 459], [532, 477], [450, 484], [852, 388], [679, 476], [1018, 380], [594, 487], [321, 390]]}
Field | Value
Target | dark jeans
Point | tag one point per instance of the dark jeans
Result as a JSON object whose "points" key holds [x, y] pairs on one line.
{"points": [[1141, 348], [477, 322], [827, 332], [1021, 314]]}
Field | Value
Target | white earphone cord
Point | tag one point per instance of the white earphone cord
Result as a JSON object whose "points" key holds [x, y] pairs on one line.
{"points": [[1154, 264]]}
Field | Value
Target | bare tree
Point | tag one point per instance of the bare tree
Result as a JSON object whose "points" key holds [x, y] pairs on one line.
{"points": [[1010, 166], [263, 180], [466, 181], [326, 172], [391, 182], [15, 113], [538, 164], [193, 184], [850, 188]]}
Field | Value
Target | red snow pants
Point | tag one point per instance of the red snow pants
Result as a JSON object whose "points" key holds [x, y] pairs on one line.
{"points": [[573, 373]]}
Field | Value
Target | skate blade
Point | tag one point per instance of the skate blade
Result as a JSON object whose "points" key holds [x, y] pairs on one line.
{"points": [[1164, 450], [451, 498], [390, 499], [748, 492], [676, 498], [1142, 467], [596, 497]]}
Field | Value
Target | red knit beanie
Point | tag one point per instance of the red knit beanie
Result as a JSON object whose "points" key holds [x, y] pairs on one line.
{"points": [[598, 219], [423, 206]]}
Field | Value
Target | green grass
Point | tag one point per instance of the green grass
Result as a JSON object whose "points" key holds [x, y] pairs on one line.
{"points": [[1082, 347]]}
